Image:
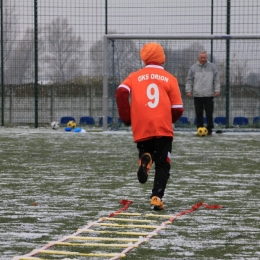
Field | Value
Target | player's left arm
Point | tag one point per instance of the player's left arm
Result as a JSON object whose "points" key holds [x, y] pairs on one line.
{"points": [[177, 111]]}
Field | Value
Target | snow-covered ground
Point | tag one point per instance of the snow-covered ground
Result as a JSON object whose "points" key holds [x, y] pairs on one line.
{"points": [[54, 182]]}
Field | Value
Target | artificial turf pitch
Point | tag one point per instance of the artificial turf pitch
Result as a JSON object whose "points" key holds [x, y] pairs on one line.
{"points": [[54, 182]]}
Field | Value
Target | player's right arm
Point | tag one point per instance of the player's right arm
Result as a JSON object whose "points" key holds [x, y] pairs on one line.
{"points": [[123, 106], [176, 101]]}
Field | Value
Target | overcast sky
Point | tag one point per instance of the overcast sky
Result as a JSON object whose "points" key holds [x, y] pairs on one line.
{"points": [[146, 16]]}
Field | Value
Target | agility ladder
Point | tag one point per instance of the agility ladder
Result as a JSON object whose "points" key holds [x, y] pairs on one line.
{"points": [[115, 223]]}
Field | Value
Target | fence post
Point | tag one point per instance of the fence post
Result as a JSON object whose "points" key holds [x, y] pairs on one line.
{"points": [[36, 63], [211, 41], [106, 9], [228, 65], [105, 85], [2, 64]]}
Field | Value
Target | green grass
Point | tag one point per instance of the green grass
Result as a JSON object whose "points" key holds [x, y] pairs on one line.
{"points": [[77, 178]]}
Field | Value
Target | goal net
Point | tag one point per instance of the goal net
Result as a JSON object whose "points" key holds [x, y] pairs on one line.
{"points": [[236, 56]]}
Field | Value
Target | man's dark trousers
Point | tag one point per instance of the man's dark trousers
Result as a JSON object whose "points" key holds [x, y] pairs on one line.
{"points": [[207, 104]]}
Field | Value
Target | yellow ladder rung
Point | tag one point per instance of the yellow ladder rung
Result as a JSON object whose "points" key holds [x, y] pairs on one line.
{"points": [[128, 220], [103, 238], [29, 258], [130, 214], [54, 252], [133, 233], [114, 232], [92, 244], [128, 226], [159, 216]]}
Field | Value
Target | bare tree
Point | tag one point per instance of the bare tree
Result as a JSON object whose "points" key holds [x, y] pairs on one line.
{"points": [[222, 72], [63, 51], [123, 58], [10, 29], [253, 79], [179, 61], [239, 71], [96, 57], [21, 62]]}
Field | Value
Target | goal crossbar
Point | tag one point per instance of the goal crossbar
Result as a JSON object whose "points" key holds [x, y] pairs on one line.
{"points": [[183, 36]]}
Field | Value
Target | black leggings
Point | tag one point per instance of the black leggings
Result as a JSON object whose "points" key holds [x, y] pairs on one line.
{"points": [[160, 150]]}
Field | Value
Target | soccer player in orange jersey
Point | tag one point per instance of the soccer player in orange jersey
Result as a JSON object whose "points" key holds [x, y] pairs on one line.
{"points": [[150, 101]]}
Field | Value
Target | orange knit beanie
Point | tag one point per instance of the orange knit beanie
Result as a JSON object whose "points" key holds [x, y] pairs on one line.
{"points": [[152, 52]]}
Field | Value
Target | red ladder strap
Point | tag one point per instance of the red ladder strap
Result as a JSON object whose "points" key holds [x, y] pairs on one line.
{"points": [[126, 204], [195, 207]]}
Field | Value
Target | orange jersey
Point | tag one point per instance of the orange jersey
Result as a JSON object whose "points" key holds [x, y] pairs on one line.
{"points": [[153, 93]]}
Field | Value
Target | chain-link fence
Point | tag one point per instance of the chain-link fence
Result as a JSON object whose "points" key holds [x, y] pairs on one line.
{"points": [[52, 54]]}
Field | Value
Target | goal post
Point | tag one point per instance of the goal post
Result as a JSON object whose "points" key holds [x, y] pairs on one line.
{"points": [[172, 39]]}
